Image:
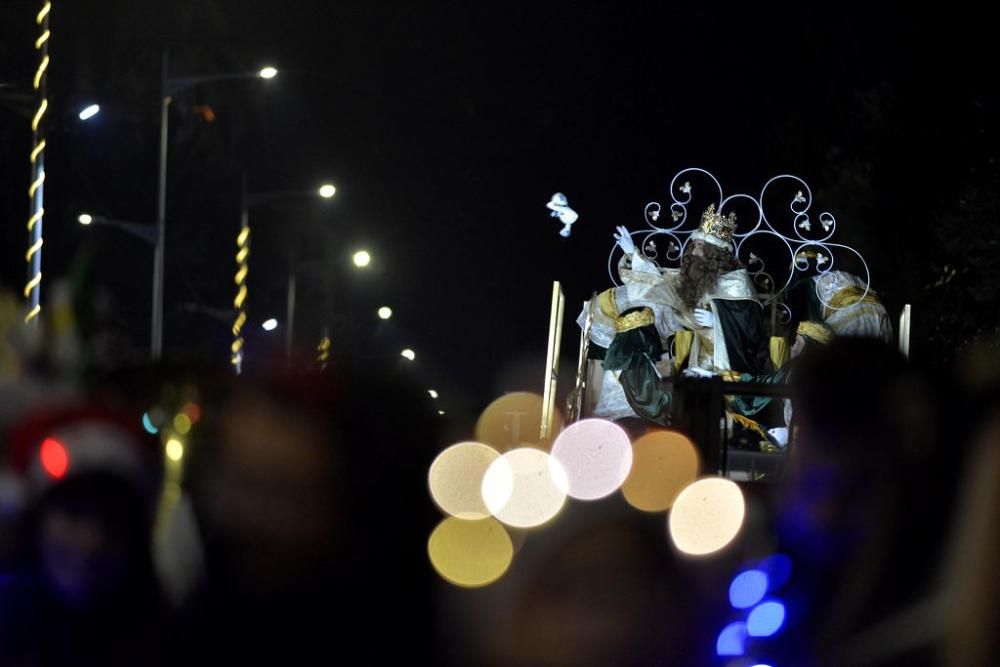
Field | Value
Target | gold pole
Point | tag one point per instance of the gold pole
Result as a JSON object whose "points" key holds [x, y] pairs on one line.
{"points": [[577, 398], [552, 361]]}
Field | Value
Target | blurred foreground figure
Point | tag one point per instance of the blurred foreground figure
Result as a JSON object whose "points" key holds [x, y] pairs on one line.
{"points": [[84, 591], [866, 502], [972, 584], [598, 587], [292, 484]]}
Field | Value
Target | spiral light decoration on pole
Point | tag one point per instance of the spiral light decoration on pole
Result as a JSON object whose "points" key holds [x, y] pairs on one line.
{"points": [[323, 352], [36, 191], [243, 267]]}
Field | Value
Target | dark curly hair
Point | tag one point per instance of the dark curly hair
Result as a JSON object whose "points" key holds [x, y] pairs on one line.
{"points": [[699, 274]]}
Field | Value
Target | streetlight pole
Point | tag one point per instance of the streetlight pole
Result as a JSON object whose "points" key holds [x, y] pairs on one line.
{"points": [[168, 88], [326, 191], [156, 334], [290, 314], [242, 269]]}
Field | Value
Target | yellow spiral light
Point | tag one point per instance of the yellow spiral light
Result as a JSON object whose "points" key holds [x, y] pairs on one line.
{"points": [[323, 352], [36, 191], [242, 269]]}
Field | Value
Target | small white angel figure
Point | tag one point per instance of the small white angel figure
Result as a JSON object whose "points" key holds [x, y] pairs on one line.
{"points": [[559, 206]]}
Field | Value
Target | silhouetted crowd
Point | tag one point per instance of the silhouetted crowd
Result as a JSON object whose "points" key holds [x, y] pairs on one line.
{"points": [[168, 515]]}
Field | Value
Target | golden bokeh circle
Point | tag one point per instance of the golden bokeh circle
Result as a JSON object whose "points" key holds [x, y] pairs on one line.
{"points": [[663, 463], [470, 553], [515, 420]]}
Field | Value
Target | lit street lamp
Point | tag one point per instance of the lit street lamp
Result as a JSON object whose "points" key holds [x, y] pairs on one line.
{"points": [[89, 112], [269, 324], [362, 258], [145, 232], [168, 88], [385, 312]]}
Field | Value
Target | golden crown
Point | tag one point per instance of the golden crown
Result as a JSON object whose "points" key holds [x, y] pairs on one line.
{"points": [[715, 225]]}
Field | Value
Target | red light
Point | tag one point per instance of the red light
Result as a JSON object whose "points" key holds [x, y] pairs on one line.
{"points": [[55, 460], [193, 412]]}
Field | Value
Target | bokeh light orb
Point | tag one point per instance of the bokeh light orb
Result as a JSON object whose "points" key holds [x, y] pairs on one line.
{"points": [[470, 553], [706, 516], [732, 640], [525, 488], [182, 423], [747, 589], [663, 463], [148, 424], [596, 455], [514, 420], [456, 479], [54, 458], [175, 449], [766, 619]]}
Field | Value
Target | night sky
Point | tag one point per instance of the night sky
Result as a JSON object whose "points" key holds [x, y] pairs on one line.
{"points": [[446, 128]]}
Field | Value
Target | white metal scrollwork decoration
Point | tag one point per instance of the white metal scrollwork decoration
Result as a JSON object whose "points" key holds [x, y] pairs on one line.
{"points": [[808, 244]]}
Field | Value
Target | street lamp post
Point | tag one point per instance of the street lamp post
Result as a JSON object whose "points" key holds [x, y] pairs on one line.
{"points": [[146, 232], [169, 88], [247, 201]]}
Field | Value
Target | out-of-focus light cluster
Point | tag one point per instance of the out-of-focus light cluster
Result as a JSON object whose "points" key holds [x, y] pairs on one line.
{"points": [[750, 590], [510, 477], [173, 418]]}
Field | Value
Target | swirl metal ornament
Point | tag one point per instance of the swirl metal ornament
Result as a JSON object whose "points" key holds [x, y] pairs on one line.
{"points": [[808, 243], [36, 191], [240, 301]]}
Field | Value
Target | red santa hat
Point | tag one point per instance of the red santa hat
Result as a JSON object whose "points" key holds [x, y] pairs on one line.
{"points": [[52, 445]]}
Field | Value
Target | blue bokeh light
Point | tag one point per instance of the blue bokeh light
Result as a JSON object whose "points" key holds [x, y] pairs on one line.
{"points": [[148, 424], [732, 640], [748, 588], [766, 619]]}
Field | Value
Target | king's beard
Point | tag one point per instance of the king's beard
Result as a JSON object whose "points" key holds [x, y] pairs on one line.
{"points": [[699, 275]]}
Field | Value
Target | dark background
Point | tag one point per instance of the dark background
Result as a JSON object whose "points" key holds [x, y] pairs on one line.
{"points": [[447, 126]]}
